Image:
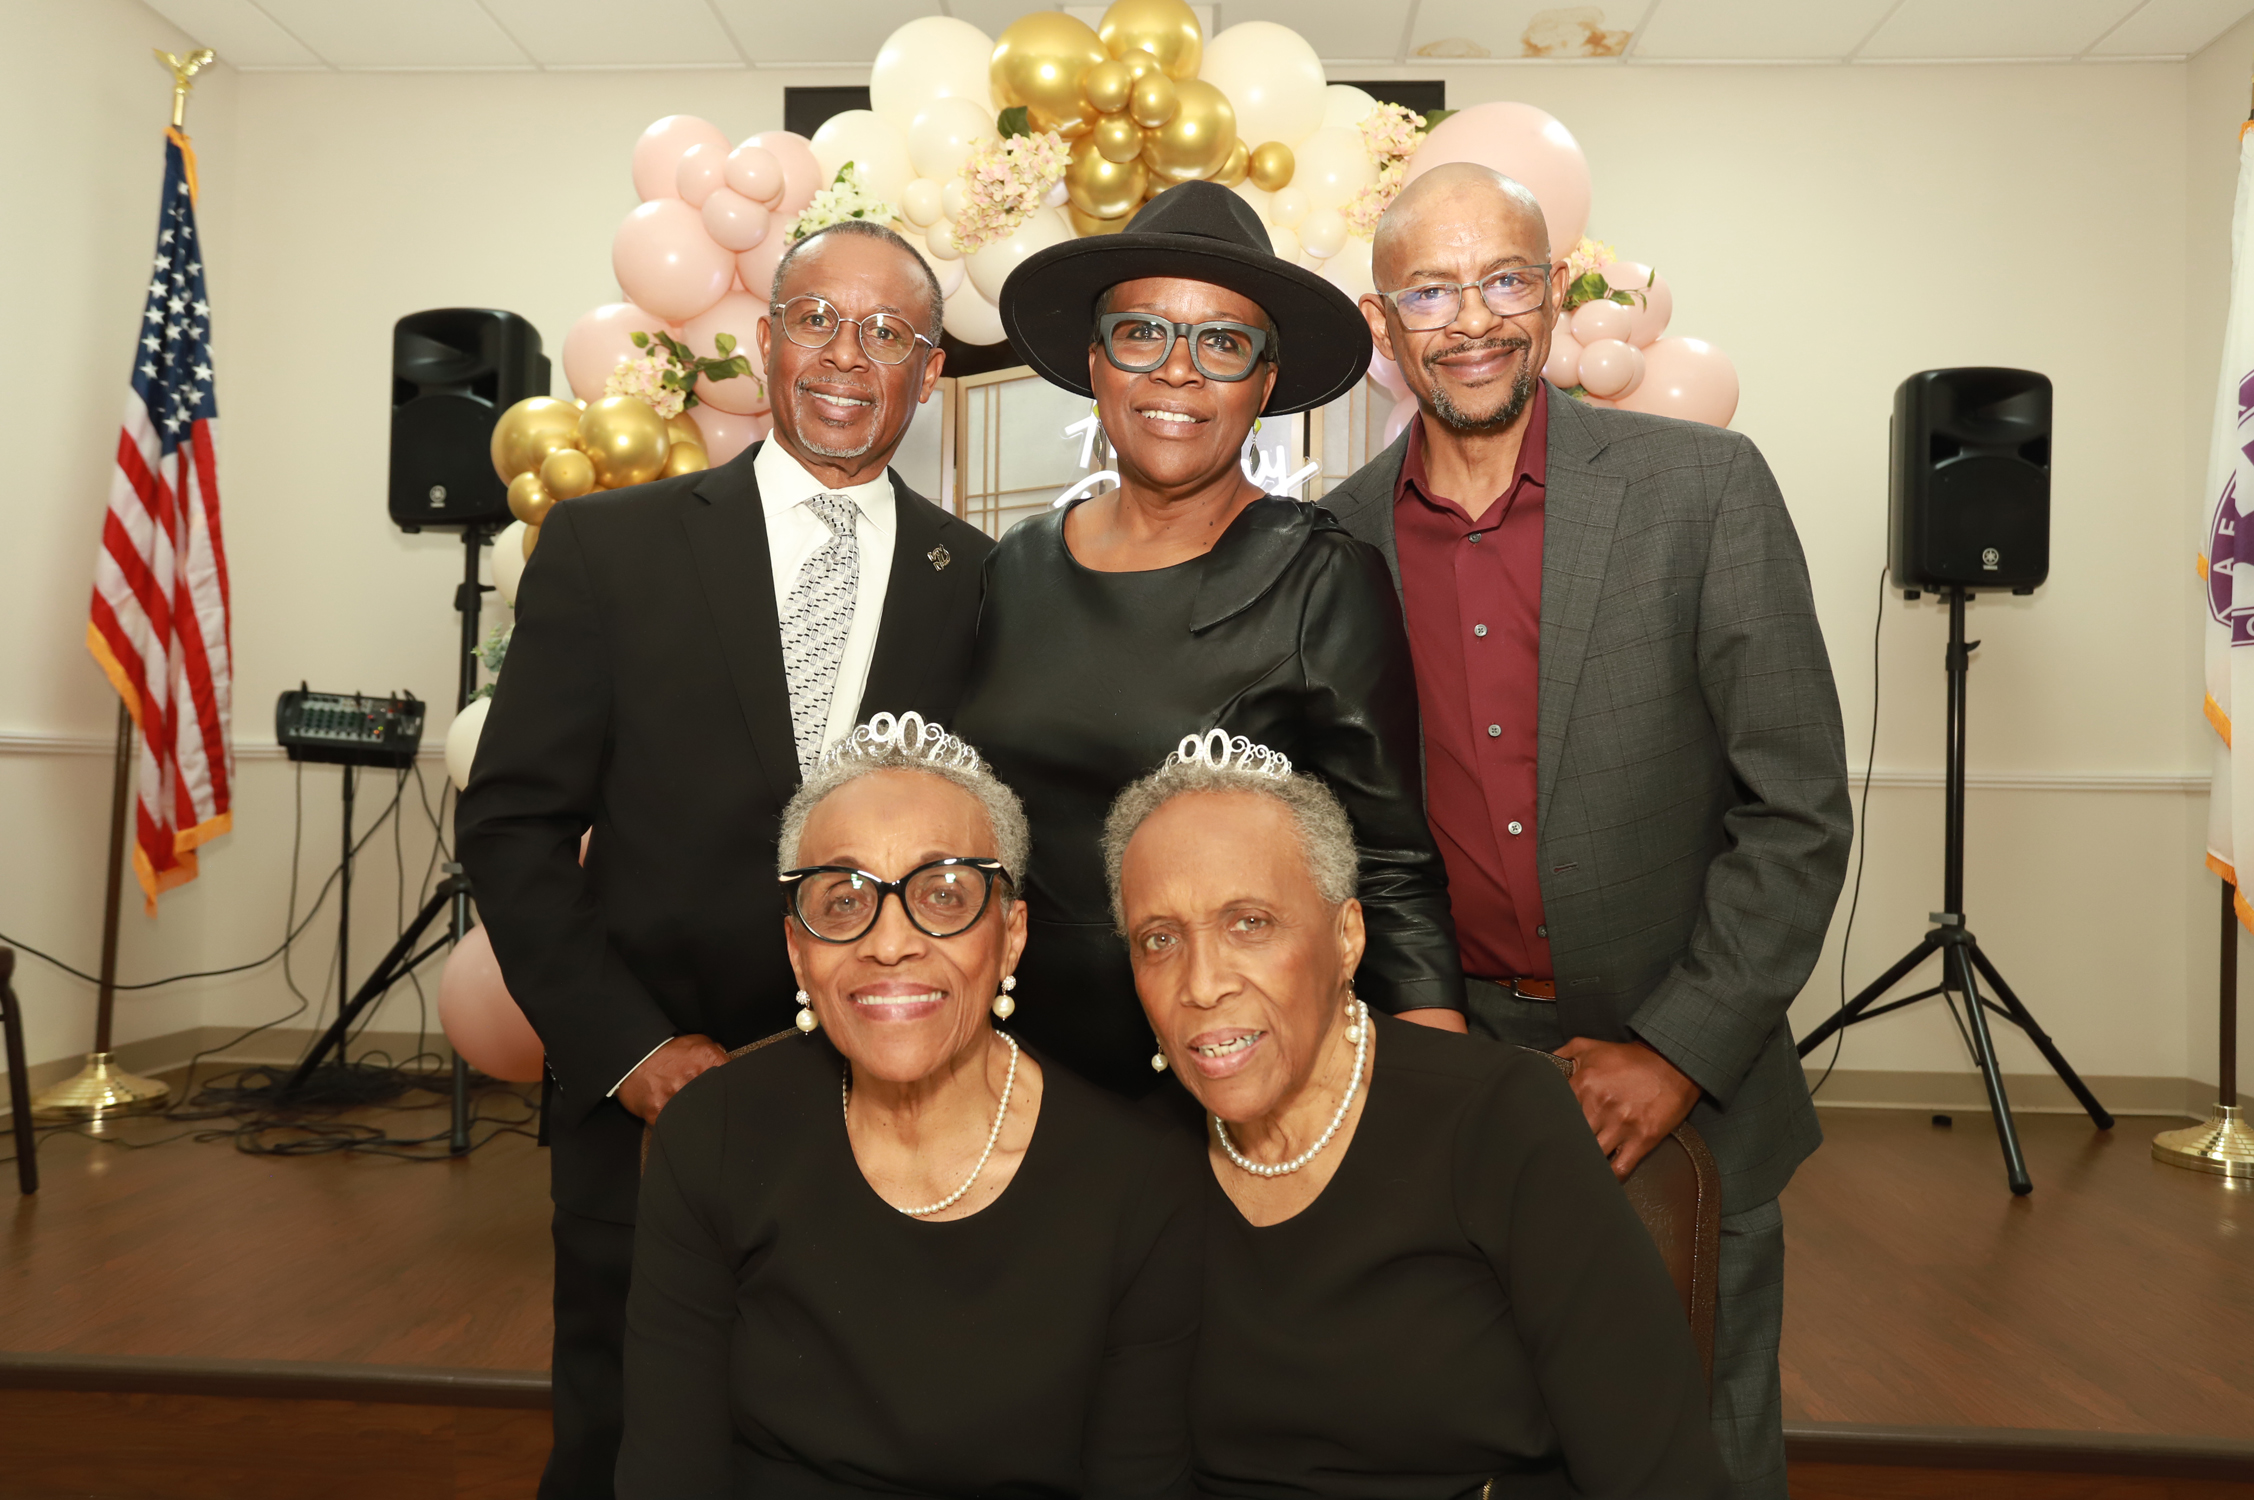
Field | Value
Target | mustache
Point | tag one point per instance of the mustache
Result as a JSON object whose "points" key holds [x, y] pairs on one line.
{"points": [[1433, 357]]}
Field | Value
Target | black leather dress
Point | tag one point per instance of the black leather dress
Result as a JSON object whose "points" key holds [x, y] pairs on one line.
{"points": [[1287, 631]]}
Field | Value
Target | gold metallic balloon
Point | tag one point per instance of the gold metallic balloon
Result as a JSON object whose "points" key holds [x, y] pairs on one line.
{"points": [[685, 458], [1165, 29], [529, 431], [1039, 61], [1237, 168], [1140, 65], [1087, 224], [1118, 137], [683, 429], [1197, 141], [568, 473], [1154, 101], [1106, 86], [1272, 166], [625, 439], [1102, 188], [531, 540], [529, 500]]}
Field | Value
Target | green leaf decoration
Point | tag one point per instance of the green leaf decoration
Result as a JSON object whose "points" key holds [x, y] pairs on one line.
{"points": [[690, 400], [1433, 117], [641, 341], [841, 174], [1625, 299], [1012, 121], [725, 343]]}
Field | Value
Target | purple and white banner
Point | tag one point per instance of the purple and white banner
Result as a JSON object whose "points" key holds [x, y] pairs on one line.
{"points": [[2229, 570]]}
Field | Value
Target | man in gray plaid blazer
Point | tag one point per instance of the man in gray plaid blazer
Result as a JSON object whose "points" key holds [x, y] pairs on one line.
{"points": [[1635, 766]]}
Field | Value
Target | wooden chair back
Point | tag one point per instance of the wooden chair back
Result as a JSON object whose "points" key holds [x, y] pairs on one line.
{"points": [[19, 1077]]}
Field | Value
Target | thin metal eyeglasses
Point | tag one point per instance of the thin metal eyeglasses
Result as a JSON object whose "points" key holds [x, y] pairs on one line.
{"points": [[811, 322], [1509, 293], [1140, 343], [944, 899]]}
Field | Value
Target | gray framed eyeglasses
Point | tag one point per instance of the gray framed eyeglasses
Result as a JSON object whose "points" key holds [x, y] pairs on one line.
{"points": [[943, 899], [1508, 293], [1141, 342], [811, 322]]}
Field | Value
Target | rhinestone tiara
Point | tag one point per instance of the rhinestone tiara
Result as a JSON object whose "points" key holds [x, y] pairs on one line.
{"points": [[1223, 752], [907, 734]]}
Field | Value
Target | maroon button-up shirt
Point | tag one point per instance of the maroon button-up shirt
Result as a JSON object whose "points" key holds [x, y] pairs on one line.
{"points": [[1472, 592]]}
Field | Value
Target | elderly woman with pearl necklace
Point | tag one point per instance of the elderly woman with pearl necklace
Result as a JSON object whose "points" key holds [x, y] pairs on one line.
{"points": [[1422, 1281], [890, 1252]]}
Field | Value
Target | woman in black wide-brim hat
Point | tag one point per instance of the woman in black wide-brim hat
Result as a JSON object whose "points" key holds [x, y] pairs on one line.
{"points": [[1185, 601]]}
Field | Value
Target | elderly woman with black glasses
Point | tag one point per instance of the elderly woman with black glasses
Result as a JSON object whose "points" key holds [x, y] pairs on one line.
{"points": [[1188, 597], [892, 1253]]}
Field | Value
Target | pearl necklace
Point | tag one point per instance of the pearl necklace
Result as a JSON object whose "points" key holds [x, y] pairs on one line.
{"points": [[1358, 1029], [845, 1093]]}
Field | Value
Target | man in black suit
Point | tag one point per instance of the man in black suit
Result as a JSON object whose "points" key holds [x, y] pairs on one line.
{"points": [[683, 649]]}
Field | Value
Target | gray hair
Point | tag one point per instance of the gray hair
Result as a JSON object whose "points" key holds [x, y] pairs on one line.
{"points": [[1326, 837], [869, 229], [886, 743]]}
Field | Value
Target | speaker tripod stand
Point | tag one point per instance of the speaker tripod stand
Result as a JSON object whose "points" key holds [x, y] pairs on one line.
{"points": [[1963, 964]]}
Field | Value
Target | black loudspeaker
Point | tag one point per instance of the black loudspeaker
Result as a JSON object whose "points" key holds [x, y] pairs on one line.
{"points": [[1969, 506], [454, 370]]}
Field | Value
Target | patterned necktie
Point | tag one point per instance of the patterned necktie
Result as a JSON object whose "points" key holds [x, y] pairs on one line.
{"points": [[815, 620]]}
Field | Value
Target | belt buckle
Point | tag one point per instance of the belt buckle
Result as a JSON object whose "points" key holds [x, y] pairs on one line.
{"points": [[1543, 991]]}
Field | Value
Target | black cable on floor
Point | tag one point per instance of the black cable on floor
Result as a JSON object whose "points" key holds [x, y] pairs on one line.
{"points": [[1862, 840]]}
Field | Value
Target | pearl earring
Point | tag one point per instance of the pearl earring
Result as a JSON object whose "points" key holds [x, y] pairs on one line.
{"points": [[807, 1020], [1157, 1057], [1356, 1018], [1004, 1006]]}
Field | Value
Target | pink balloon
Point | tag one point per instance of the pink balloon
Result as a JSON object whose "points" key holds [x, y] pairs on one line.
{"points": [[727, 434], [1388, 375], [1524, 143], [755, 268], [1563, 368], [738, 313], [657, 155], [802, 174], [667, 263], [1655, 304], [1686, 378], [1397, 421], [734, 221], [700, 173], [1611, 368], [1601, 320], [754, 172], [599, 340], [481, 1018]]}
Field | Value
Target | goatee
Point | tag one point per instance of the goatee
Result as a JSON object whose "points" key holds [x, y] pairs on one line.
{"points": [[1521, 391]]}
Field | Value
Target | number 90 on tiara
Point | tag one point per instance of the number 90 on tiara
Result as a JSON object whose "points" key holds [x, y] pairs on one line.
{"points": [[1225, 752]]}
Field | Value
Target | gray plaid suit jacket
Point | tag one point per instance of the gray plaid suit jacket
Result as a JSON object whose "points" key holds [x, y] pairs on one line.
{"points": [[1692, 813]]}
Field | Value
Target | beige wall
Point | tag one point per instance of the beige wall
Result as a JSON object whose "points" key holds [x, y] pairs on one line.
{"points": [[1833, 228]]}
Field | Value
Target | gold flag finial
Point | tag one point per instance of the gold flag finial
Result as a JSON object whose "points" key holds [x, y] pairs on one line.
{"points": [[184, 71]]}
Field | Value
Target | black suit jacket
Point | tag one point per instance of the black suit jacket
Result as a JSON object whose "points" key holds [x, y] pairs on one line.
{"points": [[644, 697]]}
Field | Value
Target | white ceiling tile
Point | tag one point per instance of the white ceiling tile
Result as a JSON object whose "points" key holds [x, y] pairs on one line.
{"points": [[243, 35], [587, 33], [1499, 27], [399, 33], [1734, 29], [1369, 31], [1994, 28], [2166, 28], [814, 32]]}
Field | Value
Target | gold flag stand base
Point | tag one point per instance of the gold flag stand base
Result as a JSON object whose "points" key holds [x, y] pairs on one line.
{"points": [[98, 1090], [2224, 1145]]}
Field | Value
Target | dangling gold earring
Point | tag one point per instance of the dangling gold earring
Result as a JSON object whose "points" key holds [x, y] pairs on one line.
{"points": [[1004, 1006], [807, 1020], [1158, 1057]]}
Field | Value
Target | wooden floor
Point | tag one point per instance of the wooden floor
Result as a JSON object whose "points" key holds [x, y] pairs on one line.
{"points": [[2118, 1299]]}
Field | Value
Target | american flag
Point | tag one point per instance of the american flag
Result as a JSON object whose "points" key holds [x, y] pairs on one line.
{"points": [[160, 624]]}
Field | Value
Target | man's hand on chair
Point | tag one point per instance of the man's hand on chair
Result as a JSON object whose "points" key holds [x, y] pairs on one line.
{"points": [[665, 1072], [1631, 1096]]}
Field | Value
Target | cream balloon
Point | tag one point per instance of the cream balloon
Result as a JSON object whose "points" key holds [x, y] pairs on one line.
{"points": [[991, 263], [944, 134], [919, 203], [954, 198], [939, 241], [1332, 167], [461, 739], [949, 272], [1272, 77], [972, 319], [1260, 198], [930, 58], [1349, 269], [1284, 242], [1345, 107], [1323, 233], [862, 137], [508, 561], [1288, 206]]}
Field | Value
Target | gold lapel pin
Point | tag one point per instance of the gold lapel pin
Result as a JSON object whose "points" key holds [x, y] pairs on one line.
{"points": [[939, 559]]}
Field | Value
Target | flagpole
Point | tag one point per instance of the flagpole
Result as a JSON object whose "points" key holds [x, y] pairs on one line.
{"points": [[101, 1088]]}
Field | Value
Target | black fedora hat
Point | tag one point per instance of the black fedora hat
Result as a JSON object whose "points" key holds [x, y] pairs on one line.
{"points": [[1199, 231]]}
